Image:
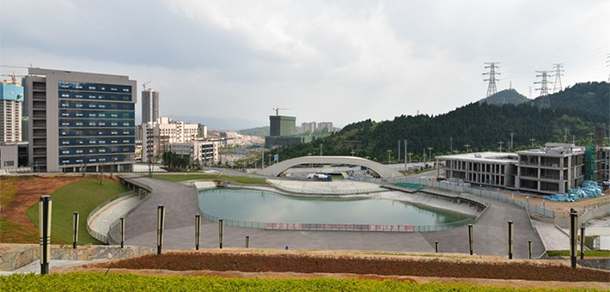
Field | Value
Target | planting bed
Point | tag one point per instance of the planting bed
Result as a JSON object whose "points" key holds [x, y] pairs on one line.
{"points": [[397, 266]]}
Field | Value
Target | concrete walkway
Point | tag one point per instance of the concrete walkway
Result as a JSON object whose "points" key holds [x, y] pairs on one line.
{"points": [[181, 204], [111, 212], [552, 237]]}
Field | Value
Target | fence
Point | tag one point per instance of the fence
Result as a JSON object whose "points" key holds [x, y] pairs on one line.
{"points": [[466, 189], [338, 227]]}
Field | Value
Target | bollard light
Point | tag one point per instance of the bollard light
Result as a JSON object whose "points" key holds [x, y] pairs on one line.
{"points": [[247, 241], [220, 232], [529, 249], [573, 234], [470, 238], [75, 226], [436, 246], [160, 225], [122, 232], [197, 230], [510, 239], [44, 215], [582, 242]]}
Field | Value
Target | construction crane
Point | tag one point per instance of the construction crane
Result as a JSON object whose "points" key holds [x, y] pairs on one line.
{"points": [[277, 110], [144, 85], [13, 77]]}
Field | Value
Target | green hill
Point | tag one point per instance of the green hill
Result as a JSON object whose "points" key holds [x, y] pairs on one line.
{"points": [[258, 131], [508, 96], [481, 126]]}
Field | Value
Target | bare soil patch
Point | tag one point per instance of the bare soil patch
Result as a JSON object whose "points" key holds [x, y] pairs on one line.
{"points": [[254, 262]]}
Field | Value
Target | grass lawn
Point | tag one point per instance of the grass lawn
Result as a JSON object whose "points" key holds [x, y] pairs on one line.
{"points": [[207, 176], [82, 196], [13, 232], [588, 253]]}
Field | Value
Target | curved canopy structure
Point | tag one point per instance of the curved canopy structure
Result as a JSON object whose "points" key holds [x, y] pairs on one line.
{"points": [[278, 168]]}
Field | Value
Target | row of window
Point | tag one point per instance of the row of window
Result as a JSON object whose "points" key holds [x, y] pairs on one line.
{"points": [[96, 150], [63, 104], [94, 96], [85, 86], [96, 114], [96, 132], [95, 141], [90, 159], [96, 123]]}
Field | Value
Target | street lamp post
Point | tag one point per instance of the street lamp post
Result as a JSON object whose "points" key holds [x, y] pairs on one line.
{"points": [[389, 158], [501, 143], [430, 153], [532, 140], [467, 147]]}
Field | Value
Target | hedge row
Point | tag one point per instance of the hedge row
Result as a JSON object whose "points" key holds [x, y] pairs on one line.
{"points": [[130, 282]]}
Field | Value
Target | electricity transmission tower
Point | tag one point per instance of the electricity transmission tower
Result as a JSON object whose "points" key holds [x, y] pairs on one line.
{"points": [[558, 74], [491, 88], [545, 102]]}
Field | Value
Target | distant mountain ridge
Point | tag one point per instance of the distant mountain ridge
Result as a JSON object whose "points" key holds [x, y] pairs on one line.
{"points": [[507, 96]]}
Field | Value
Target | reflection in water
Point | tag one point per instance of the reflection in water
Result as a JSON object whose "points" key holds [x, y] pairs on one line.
{"points": [[245, 205]]}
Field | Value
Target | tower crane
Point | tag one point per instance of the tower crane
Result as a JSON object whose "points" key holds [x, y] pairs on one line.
{"points": [[277, 110], [144, 85]]}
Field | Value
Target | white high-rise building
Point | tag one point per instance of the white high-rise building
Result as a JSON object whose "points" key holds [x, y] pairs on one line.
{"points": [[150, 105], [159, 135]]}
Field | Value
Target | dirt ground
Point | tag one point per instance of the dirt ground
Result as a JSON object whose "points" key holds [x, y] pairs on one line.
{"points": [[423, 257], [28, 193]]}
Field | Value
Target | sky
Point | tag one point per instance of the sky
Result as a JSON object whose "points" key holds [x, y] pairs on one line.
{"points": [[228, 63]]}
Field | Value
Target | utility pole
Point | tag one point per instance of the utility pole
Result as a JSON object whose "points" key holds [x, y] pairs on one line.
{"points": [[532, 140], [565, 135], [430, 151], [389, 159], [398, 156], [558, 74], [406, 168], [491, 88], [501, 143], [352, 152], [467, 146], [410, 155], [511, 142], [545, 102], [450, 144]]}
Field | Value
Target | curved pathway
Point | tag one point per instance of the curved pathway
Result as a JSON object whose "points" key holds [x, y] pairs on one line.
{"points": [[181, 205]]}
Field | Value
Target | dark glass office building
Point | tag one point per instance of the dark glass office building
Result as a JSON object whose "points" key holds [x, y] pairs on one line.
{"points": [[80, 121]]}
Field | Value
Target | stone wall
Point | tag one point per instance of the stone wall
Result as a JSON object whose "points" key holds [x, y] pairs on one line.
{"points": [[15, 256]]}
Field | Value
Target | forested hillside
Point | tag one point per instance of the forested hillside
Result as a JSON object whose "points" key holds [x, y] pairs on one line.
{"points": [[579, 109]]}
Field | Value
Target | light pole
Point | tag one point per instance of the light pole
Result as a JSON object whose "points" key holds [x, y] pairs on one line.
{"points": [[532, 140], [389, 151], [467, 146], [321, 148], [430, 153], [501, 143], [352, 152]]}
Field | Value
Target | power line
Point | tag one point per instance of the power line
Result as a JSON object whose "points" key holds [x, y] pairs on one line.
{"points": [[491, 88]]}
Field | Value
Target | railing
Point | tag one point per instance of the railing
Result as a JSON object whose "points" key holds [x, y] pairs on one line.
{"points": [[102, 237], [327, 192], [111, 240], [467, 189], [338, 227]]}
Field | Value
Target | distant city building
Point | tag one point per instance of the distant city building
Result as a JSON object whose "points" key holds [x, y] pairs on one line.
{"points": [[11, 102], [157, 136], [80, 121], [308, 127], [201, 152], [282, 125], [202, 131], [325, 125], [150, 105]]}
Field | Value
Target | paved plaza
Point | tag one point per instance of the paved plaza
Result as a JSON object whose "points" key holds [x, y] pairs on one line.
{"points": [[181, 203]]}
